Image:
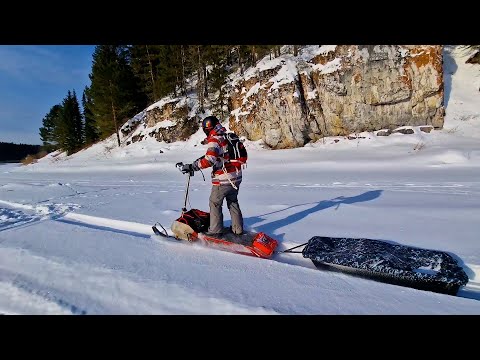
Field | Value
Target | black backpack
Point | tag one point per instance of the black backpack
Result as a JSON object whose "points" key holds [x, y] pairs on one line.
{"points": [[236, 150]]}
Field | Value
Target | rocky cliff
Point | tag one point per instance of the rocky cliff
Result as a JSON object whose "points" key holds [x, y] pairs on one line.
{"points": [[338, 90], [326, 90]]}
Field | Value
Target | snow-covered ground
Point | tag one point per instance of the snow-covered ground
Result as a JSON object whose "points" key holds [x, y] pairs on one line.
{"points": [[75, 233]]}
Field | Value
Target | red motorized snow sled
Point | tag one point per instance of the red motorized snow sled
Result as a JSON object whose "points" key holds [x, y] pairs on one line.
{"points": [[192, 225]]}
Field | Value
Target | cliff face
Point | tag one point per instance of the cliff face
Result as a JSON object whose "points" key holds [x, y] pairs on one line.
{"points": [[325, 90], [168, 120], [338, 90]]}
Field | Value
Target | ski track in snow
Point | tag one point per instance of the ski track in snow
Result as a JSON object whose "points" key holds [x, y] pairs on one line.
{"points": [[13, 218], [46, 209], [23, 296], [97, 290], [155, 187], [16, 215], [42, 301], [441, 188]]}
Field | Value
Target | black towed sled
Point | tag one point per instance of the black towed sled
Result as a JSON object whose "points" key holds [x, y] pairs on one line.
{"points": [[402, 265]]}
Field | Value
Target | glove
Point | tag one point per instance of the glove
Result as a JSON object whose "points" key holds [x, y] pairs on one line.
{"points": [[187, 168], [204, 141]]}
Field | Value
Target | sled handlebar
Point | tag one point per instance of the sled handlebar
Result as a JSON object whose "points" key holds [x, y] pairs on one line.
{"points": [[179, 166], [191, 173]]}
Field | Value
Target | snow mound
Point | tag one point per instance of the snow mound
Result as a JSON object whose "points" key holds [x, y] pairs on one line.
{"points": [[452, 157]]}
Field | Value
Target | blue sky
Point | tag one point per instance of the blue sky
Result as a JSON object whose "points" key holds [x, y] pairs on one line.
{"points": [[33, 78]]}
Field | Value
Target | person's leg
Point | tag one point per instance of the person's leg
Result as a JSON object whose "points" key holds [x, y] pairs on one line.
{"points": [[216, 214], [234, 208]]}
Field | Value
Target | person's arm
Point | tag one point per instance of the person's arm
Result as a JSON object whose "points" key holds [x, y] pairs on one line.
{"points": [[210, 157]]}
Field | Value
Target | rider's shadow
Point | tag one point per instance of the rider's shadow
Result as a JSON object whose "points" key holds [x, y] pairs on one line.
{"points": [[272, 226]]}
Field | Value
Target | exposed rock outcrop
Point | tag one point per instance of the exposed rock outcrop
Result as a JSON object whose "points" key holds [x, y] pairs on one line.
{"points": [[474, 58], [166, 120], [328, 90], [338, 90]]}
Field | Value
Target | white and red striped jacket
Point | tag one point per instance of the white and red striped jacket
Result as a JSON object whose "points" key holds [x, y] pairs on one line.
{"points": [[223, 172]]}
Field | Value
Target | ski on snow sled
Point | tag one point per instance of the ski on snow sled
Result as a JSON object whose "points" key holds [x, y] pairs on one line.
{"points": [[193, 224], [379, 260]]}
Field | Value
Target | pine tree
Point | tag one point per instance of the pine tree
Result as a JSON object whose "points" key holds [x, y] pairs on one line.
{"points": [[218, 74], [114, 89], [243, 55], [198, 57], [144, 62], [47, 131], [90, 129], [276, 50], [168, 70], [68, 129], [183, 75], [78, 124]]}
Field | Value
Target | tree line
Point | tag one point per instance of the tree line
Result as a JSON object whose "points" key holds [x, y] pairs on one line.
{"points": [[125, 79], [16, 152]]}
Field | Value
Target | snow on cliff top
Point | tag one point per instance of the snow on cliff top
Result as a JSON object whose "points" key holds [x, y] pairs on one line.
{"points": [[287, 61]]}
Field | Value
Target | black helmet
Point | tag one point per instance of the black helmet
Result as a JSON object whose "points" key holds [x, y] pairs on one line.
{"points": [[209, 123]]}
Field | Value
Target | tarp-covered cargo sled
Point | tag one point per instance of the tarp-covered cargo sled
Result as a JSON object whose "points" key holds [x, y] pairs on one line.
{"points": [[403, 265]]}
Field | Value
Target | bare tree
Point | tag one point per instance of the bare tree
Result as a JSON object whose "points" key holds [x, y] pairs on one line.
{"points": [[154, 89]]}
